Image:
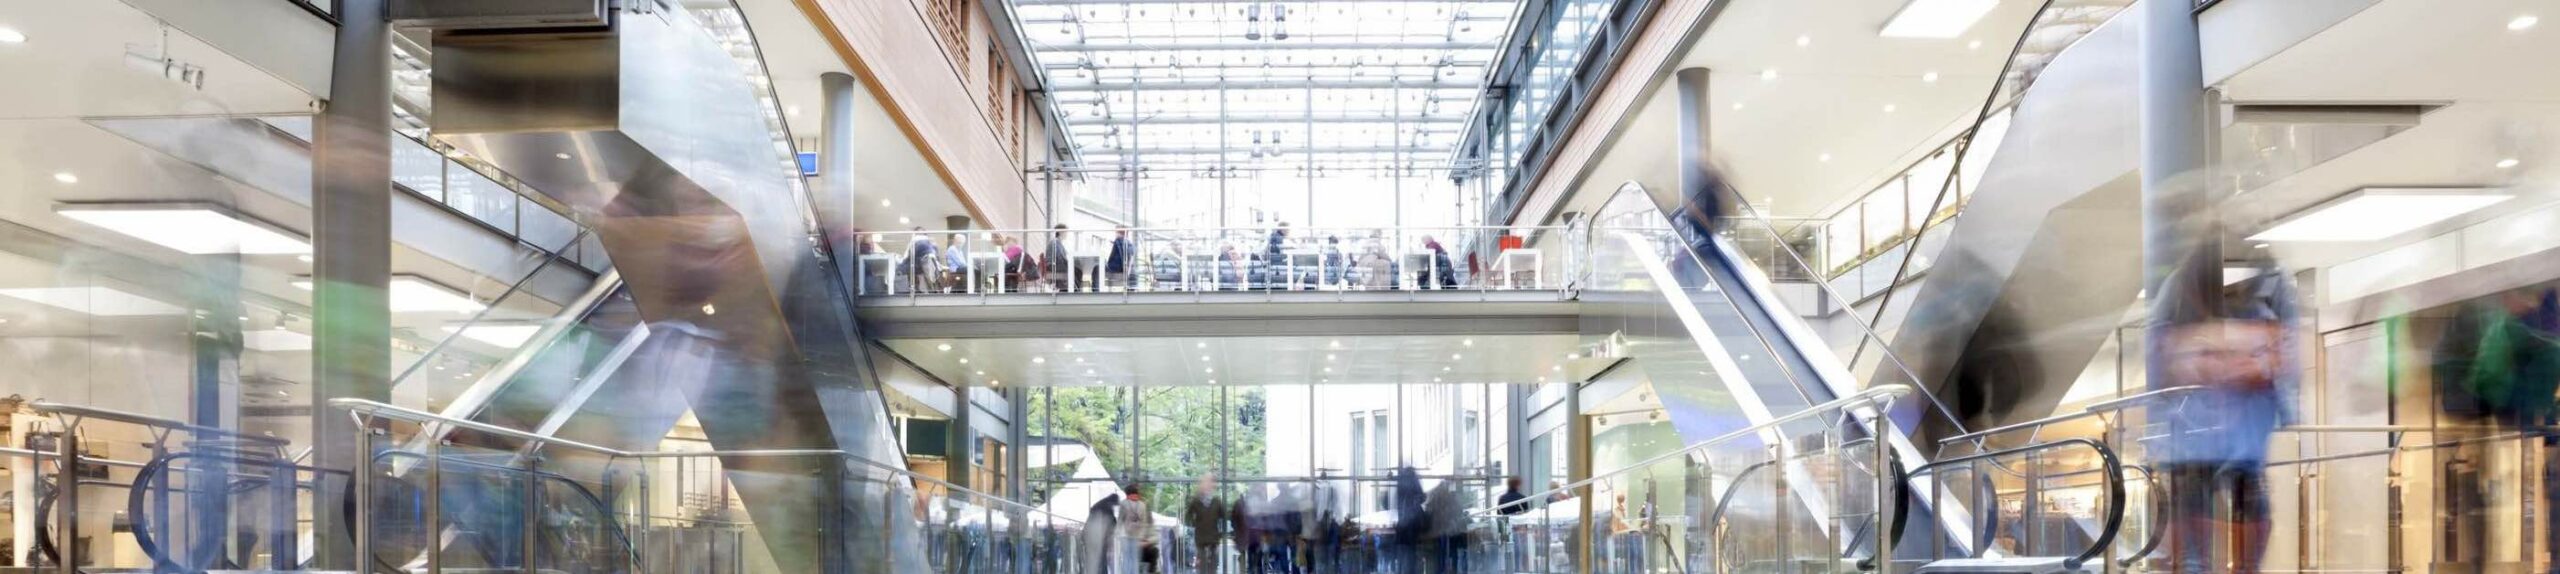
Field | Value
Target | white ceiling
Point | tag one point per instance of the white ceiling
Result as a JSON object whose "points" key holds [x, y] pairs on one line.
{"points": [[1241, 360], [93, 58], [1828, 97], [2498, 104], [887, 165]]}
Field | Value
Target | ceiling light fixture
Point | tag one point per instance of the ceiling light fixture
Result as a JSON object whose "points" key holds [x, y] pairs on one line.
{"points": [[884, 202], [1467, 342], [1769, 74], [964, 360], [561, 155], [1825, 158], [66, 178], [195, 229], [2522, 23], [12, 36], [1938, 19], [1889, 108], [503, 335], [1930, 77], [2375, 212], [945, 347], [413, 294], [1039, 360], [1802, 41], [2508, 163]]}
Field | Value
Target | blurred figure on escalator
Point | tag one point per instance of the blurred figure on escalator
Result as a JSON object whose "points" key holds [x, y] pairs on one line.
{"points": [[2494, 370], [1703, 207], [2238, 350]]}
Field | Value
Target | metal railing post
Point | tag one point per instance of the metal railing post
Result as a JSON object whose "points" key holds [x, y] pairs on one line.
{"points": [[66, 508], [361, 477], [532, 521], [435, 507], [1884, 491]]}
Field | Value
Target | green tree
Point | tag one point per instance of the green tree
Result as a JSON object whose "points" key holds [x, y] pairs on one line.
{"points": [[1180, 433]]}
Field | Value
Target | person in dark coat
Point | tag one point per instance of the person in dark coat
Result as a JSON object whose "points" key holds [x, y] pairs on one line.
{"points": [[1411, 521], [1442, 274], [1058, 267], [1207, 519], [1122, 259], [1101, 528]]}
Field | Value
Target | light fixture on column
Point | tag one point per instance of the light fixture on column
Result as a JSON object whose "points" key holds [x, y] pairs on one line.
{"points": [[414, 294], [2377, 212]]}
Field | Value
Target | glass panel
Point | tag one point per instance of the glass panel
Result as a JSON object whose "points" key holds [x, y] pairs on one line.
{"points": [[480, 198], [416, 167], [544, 228]]}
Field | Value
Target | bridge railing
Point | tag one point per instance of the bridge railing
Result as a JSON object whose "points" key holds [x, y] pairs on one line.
{"points": [[978, 262]]}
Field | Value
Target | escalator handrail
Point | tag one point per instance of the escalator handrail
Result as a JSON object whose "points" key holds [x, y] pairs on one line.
{"points": [[477, 317], [360, 409], [1955, 170], [1871, 396], [2115, 490], [604, 511]]}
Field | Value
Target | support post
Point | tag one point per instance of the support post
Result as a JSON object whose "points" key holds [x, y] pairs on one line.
{"points": [[66, 506], [351, 236]]}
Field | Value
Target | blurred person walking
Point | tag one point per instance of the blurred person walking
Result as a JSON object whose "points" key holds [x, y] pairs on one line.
{"points": [[1122, 261], [1101, 531], [1060, 269], [1208, 519], [2495, 369], [2239, 349], [1141, 525]]}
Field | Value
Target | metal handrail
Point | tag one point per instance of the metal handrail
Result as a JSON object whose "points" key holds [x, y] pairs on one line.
{"points": [[361, 408], [86, 412], [482, 315], [2094, 409], [1869, 396], [2105, 540], [41, 455]]}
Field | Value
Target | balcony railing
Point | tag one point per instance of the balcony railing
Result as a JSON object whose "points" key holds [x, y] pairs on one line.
{"points": [[980, 262]]}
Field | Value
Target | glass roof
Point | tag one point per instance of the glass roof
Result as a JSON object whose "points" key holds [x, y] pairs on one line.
{"points": [[1191, 85]]}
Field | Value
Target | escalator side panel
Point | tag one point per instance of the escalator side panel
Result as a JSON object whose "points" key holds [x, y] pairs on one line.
{"points": [[2047, 257], [653, 135]]}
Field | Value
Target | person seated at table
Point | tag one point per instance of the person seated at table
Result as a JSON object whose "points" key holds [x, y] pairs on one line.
{"points": [[955, 267], [1333, 260], [1231, 267], [1013, 262]]}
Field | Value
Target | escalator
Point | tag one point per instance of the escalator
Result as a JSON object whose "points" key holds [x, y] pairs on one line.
{"points": [[658, 129]]}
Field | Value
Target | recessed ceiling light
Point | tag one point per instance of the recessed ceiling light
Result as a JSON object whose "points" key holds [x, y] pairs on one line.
{"points": [[982, 373], [1768, 74], [12, 36], [1737, 105], [503, 335], [66, 177], [2522, 23], [942, 347], [561, 155], [410, 294], [1209, 369], [1444, 369], [275, 341], [1435, 379], [1889, 108], [902, 220], [1802, 41], [1328, 369], [304, 258], [1938, 19], [1973, 45], [1200, 345], [1454, 356], [1825, 158], [1328, 356], [96, 301], [1467, 342], [964, 360], [791, 110], [709, 309], [884, 202], [188, 229], [2374, 213], [1038, 360], [1088, 372], [2508, 163], [1930, 77]]}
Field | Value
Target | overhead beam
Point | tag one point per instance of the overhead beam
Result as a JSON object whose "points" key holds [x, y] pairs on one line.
{"points": [[1237, 2], [1212, 84], [1176, 45], [1185, 120]]}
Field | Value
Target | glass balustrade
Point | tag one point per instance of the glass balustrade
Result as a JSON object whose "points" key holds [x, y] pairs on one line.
{"points": [[983, 262]]}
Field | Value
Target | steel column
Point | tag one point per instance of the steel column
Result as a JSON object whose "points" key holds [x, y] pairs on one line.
{"points": [[351, 237]]}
